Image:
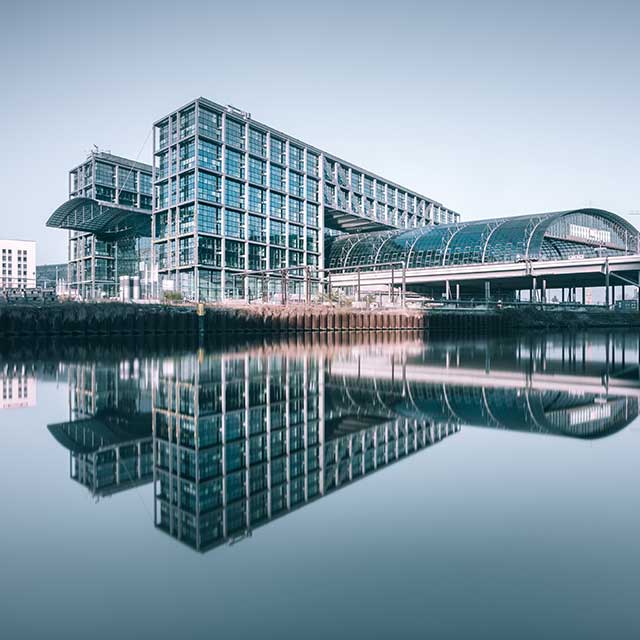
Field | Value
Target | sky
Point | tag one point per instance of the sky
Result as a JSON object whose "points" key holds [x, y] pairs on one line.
{"points": [[492, 108]]}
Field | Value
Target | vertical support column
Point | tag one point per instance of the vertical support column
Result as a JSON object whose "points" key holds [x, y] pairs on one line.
{"points": [[584, 295], [458, 291], [544, 291], [534, 289], [447, 290], [358, 298], [487, 290]]}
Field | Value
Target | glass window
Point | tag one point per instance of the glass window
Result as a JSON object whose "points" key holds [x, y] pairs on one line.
{"points": [[296, 237], [187, 122], [257, 171], [257, 229], [210, 251], [234, 194], [296, 184], [312, 163], [356, 181], [186, 250], [368, 187], [209, 155], [162, 132], [209, 123], [278, 178], [234, 164], [209, 219], [161, 255], [234, 254], [296, 158], [257, 257], [278, 150], [162, 226], [186, 218], [277, 258], [380, 190], [145, 183], [105, 174], [312, 214], [127, 178], [278, 233], [257, 142], [187, 186], [312, 240], [210, 290], [234, 224], [257, 200], [209, 187], [312, 189], [234, 133], [277, 205], [343, 175], [329, 170], [162, 195], [187, 154], [295, 210]]}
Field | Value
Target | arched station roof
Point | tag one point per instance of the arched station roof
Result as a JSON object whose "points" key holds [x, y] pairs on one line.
{"points": [[579, 233], [93, 216]]}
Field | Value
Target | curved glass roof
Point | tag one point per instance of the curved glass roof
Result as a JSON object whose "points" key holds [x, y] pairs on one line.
{"points": [[547, 236], [92, 216]]}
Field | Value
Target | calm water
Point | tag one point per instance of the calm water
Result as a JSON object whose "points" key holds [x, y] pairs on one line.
{"points": [[398, 488]]}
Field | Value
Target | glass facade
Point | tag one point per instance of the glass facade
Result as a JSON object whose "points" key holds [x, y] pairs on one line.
{"points": [[97, 260], [275, 198]]}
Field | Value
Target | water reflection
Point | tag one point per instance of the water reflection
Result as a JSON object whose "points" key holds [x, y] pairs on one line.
{"points": [[235, 439], [108, 433]]}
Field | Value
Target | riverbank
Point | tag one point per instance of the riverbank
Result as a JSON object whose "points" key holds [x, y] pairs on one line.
{"points": [[116, 319]]}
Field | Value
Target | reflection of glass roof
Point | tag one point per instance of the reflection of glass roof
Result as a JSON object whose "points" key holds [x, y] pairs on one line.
{"points": [[92, 216], [548, 236]]}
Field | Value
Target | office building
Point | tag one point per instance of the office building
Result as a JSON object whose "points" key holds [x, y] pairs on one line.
{"points": [[108, 218], [236, 202], [18, 263]]}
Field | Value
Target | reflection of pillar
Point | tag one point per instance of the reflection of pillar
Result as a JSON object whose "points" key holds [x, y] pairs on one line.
{"points": [[544, 291], [487, 290], [606, 288], [562, 294], [584, 295], [457, 291], [447, 290], [534, 290]]}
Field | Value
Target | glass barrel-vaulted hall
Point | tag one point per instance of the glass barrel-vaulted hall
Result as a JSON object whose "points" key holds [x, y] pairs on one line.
{"points": [[234, 198]]}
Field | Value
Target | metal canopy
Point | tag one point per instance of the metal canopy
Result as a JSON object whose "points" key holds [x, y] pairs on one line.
{"points": [[92, 216]]}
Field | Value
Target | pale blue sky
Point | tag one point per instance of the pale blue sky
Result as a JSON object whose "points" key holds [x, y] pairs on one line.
{"points": [[493, 108]]}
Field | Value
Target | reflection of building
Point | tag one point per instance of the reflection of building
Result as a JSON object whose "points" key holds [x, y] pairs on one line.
{"points": [[108, 218], [108, 434], [241, 439], [233, 194], [18, 263], [18, 387]]}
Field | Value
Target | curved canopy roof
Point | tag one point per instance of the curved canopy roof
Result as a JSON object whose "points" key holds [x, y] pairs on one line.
{"points": [[92, 216], [546, 236], [580, 415]]}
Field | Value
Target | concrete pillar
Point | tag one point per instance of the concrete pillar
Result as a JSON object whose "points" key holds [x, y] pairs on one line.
{"points": [[606, 289], [447, 290], [487, 291], [457, 291], [584, 295], [544, 291], [562, 294]]}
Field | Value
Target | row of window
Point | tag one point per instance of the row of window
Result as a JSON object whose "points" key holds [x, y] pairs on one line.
{"points": [[237, 254], [259, 200], [237, 224], [237, 166]]}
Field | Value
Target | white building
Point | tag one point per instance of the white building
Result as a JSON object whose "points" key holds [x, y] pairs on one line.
{"points": [[18, 264]]}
